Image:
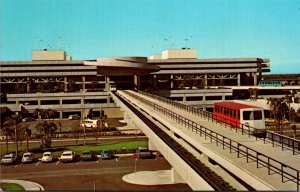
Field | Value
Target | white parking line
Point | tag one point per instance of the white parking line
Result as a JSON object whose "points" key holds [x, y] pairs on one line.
{"points": [[37, 163], [16, 166], [57, 163], [97, 161]]}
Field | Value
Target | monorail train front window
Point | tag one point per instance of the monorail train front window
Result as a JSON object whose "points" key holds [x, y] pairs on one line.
{"points": [[252, 115], [257, 115], [247, 115]]}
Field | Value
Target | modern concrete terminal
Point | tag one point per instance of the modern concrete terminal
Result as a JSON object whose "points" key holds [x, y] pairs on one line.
{"points": [[52, 80]]}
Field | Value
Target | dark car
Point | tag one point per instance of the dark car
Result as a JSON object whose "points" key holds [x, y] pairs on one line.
{"points": [[88, 155], [144, 153], [106, 154]]}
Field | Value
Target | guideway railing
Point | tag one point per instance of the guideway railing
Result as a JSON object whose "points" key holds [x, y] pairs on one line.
{"points": [[285, 142], [273, 166]]}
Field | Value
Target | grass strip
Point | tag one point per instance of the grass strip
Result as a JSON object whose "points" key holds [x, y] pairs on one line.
{"points": [[11, 187]]}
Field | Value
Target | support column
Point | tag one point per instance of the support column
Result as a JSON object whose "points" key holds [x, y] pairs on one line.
{"points": [[176, 178], [61, 108], [65, 84], [151, 146], [137, 82], [28, 86], [61, 114], [203, 102], [205, 80], [39, 103], [83, 83], [171, 81], [255, 79], [238, 79], [154, 81], [17, 103], [107, 83]]}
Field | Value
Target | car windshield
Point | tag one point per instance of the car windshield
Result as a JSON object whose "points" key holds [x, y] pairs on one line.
{"points": [[67, 154], [7, 157], [27, 155], [143, 150], [86, 152], [46, 155]]}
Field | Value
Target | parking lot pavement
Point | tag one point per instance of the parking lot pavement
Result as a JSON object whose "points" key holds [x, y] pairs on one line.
{"points": [[105, 174]]}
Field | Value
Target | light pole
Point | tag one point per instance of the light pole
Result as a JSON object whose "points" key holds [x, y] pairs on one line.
{"points": [[83, 117]]}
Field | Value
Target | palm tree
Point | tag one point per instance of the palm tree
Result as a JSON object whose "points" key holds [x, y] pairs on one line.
{"points": [[280, 107], [28, 134], [13, 122], [7, 130]]}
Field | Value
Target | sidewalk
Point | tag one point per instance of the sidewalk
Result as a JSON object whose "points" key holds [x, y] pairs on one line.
{"points": [[28, 185]]}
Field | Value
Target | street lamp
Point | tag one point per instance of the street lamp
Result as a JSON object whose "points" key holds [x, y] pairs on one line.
{"points": [[83, 117]]}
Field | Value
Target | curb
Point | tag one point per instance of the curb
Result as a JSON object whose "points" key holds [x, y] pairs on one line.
{"points": [[28, 185]]}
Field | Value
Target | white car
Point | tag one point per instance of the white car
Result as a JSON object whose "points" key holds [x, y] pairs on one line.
{"points": [[47, 157], [9, 159], [28, 158], [67, 156], [74, 117]]}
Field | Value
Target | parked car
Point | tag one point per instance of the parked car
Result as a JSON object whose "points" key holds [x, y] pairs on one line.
{"points": [[47, 157], [28, 158], [74, 117], [88, 155], [106, 154], [144, 152], [67, 156], [8, 159], [90, 123], [26, 119]]}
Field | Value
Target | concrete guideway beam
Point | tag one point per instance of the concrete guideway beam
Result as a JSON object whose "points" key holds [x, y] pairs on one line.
{"points": [[182, 169]]}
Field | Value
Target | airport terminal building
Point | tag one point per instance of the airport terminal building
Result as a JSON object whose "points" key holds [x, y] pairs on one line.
{"points": [[52, 80]]}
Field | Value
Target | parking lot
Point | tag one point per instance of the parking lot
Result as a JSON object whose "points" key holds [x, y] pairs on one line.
{"points": [[87, 175]]}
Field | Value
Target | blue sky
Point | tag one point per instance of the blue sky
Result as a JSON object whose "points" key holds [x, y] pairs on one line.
{"points": [[103, 28]]}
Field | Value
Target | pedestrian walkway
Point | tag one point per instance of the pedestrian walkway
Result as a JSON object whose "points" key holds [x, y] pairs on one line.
{"points": [[27, 185], [273, 180]]}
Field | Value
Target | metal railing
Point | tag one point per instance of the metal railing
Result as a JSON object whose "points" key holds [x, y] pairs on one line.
{"points": [[276, 139], [272, 164]]}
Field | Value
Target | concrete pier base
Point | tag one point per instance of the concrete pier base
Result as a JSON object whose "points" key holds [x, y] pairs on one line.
{"points": [[159, 177]]}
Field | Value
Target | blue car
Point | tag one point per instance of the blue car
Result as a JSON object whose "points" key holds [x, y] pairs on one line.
{"points": [[106, 154]]}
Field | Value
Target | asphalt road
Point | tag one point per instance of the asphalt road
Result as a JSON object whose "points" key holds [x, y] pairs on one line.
{"points": [[106, 174]]}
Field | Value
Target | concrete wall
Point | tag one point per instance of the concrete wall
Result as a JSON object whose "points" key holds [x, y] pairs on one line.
{"points": [[179, 54], [46, 55], [113, 112]]}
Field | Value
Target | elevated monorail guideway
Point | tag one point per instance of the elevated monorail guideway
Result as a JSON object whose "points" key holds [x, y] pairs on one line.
{"points": [[259, 163], [215, 181]]}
